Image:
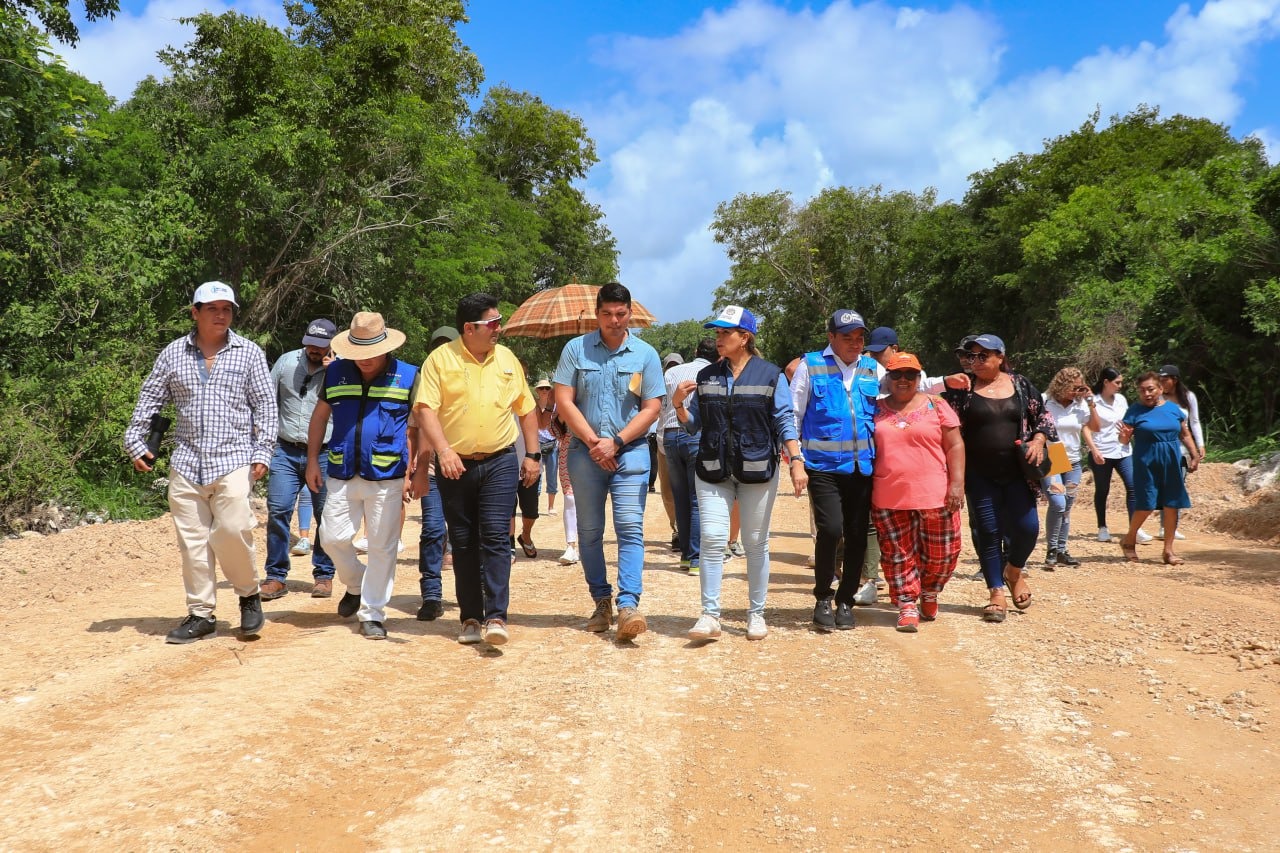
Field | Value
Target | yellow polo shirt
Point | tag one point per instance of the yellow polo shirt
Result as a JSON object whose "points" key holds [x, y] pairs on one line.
{"points": [[474, 399]]}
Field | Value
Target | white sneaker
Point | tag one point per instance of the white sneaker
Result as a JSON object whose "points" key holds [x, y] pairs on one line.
{"points": [[301, 548], [1143, 536], [756, 629], [706, 628], [470, 633], [362, 545], [866, 594], [570, 555], [1104, 535], [1177, 535], [399, 547]]}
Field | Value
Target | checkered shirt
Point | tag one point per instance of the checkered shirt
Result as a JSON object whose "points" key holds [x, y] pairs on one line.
{"points": [[225, 423]]}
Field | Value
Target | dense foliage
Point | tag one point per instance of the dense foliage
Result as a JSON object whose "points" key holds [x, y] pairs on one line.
{"points": [[1146, 242], [333, 167]]}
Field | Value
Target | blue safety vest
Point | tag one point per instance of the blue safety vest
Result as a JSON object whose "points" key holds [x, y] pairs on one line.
{"points": [[739, 436], [839, 426], [370, 423]]}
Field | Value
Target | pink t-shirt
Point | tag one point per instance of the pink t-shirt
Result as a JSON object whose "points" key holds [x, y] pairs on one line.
{"points": [[911, 466]]}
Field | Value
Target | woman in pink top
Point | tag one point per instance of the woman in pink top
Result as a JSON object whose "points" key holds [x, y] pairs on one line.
{"points": [[917, 492]]}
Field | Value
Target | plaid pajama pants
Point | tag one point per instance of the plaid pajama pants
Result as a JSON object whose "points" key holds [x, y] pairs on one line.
{"points": [[918, 550]]}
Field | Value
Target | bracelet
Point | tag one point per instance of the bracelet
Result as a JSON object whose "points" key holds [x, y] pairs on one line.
{"points": [[795, 459]]}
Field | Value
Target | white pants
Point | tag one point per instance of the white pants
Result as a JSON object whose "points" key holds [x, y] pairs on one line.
{"points": [[215, 527], [377, 502]]}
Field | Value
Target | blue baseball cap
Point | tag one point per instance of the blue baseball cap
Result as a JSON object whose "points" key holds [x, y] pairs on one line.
{"points": [[320, 333], [990, 342], [733, 317], [882, 337], [845, 320]]}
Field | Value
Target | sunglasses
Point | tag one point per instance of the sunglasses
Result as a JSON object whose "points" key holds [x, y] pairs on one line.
{"points": [[491, 325], [979, 357], [895, 375], [306, 383]]}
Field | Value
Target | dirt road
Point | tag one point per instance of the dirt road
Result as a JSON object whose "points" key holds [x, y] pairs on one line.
{"points": [[1131, 708]]}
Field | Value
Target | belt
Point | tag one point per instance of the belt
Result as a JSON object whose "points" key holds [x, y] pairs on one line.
{"points": [[480, 457], [301, 448], [672, 431]]}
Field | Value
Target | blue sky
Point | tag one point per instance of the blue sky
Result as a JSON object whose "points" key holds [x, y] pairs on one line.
{"points": [[691, 103]]}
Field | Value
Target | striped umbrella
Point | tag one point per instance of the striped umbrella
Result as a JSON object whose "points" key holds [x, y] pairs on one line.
{"points": [[568, 310]]}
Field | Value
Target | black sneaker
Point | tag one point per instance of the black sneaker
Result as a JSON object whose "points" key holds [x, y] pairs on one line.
{"points": [[430, 610], [1065, 559], [675, 541], [822, 614], [192, 628], [251, 618], [373, 630], [349, 604], [844, 616], [1050, 560]]}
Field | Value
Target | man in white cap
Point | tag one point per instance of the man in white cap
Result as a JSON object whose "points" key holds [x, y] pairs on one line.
{"points": [[296, 378], [368, 393], [221, 388]]}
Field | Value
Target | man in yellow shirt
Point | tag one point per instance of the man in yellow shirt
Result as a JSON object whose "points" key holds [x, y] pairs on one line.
{"points": [[469, 391]]}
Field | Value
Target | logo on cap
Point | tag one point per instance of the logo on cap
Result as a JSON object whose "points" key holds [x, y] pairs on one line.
{"points": [[848, 317], [319, 331]]}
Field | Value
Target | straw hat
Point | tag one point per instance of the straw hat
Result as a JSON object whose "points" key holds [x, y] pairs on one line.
{"points": [[369, 337]]}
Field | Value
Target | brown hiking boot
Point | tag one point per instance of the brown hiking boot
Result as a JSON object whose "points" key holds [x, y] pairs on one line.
{"points": [[272, 589], [322, 588], [630, 623], [602, 618]]}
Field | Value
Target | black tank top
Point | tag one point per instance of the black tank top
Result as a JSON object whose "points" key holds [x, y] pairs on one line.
{"points": [[990, 429]]}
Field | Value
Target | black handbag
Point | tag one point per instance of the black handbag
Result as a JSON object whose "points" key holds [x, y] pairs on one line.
{"points": [[1035, 473]]}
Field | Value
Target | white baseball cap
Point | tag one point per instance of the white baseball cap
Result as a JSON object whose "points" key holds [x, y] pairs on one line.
{"points": [[214, 291]]}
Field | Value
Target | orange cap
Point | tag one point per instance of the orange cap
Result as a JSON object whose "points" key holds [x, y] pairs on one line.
{"points": [[903, 361]]}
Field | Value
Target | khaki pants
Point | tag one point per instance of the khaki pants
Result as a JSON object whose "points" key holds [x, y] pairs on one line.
{"points": [[215, 528], [664, 487]]}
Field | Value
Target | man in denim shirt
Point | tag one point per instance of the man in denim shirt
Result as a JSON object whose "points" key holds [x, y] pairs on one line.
{"points": [[609, 390]]}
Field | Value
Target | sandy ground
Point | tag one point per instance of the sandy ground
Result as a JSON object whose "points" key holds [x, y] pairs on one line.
{"points": [[1129, 709]]}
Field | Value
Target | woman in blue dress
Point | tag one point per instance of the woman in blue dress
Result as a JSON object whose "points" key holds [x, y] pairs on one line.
{"points": [[1156, 427]]}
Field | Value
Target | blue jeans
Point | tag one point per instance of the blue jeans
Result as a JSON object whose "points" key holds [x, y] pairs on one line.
{"points": [[550, 467], [1102, 486], [288, 478], [627, 488], [1000, 512], [431, 544], [682, 459], [477, 508], [755, 507], [1057, 521]]}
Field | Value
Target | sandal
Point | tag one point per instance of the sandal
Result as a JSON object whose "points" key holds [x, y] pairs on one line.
{"points": [[529, 551], [994, 613], [1021, 600], [1173, 560], [1130, 549]]}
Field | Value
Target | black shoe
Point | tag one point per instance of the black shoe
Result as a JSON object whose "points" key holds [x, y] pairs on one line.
{"points": [[373, 630], [430, 610], [822, 614], [844, 616], [251, 618], [675, 541], [1065, 559], [349, 604], [1050, 560], [192, 628]]}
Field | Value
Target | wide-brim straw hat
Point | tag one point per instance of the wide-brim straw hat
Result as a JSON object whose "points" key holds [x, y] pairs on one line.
{"points": [[368, 337]]}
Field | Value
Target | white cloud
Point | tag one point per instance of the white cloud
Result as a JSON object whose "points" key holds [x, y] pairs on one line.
{"points": [[756, 98], [120, 52]]}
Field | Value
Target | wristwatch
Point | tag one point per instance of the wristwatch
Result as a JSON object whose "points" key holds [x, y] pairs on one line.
{"points": [[536, 456], [617, 439]]}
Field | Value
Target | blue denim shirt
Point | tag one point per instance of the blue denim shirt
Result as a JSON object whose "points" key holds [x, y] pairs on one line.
{"points": [[609, 385]]}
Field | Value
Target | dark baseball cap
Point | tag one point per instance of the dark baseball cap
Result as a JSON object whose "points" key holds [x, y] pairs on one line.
{"points": [[319, 333], [845, 320], [1170, 370], [881, 338]]}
